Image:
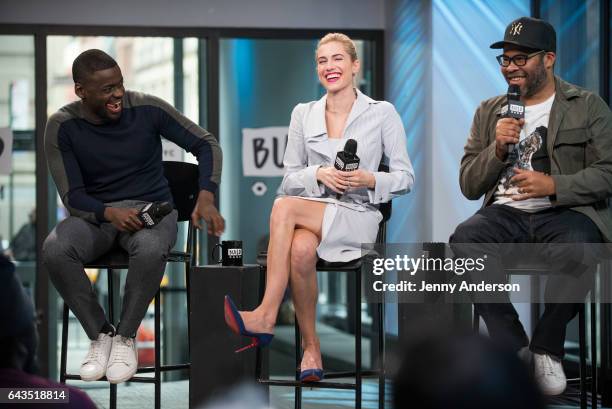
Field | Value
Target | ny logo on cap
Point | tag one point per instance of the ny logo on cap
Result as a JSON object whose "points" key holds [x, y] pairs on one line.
{"points": [[516, 28]]}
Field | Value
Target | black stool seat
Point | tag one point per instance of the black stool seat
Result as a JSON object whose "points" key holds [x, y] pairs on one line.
{"points": [[117, 258], [526, 267], [179, 256], [322, 265]]}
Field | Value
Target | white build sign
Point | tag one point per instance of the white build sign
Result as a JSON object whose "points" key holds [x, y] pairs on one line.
{"points": [[263, 150]]}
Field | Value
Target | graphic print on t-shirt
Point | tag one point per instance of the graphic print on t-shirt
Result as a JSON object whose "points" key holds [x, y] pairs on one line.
{"points": [[531, 153], [525, 158]]}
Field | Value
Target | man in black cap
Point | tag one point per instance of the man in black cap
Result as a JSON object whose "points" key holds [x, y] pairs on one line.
{"points": [[546, 178]]}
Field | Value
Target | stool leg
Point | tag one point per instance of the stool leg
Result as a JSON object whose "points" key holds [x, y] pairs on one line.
{"points": [[111, 318], [191, 248], [188, 289], [298, 351], [157, 352], [111, 295], [381, 354], [536, 306], [582, 352], [258, 352], [113, 396], [64, 352], [594, 398], [358, 378]]}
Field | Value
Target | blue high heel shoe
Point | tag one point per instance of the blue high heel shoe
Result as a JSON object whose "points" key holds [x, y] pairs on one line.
{"points": [[234, 321], [311, 375]]}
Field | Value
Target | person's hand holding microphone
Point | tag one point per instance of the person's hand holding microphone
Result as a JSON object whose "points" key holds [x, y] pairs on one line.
{"points": [[358, 178], [507, 133], [124, 219], [345, 174], [330, 177], [508, 128]]}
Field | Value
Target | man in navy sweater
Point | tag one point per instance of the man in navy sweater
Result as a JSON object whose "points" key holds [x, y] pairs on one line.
{"points": [[105, 155]]}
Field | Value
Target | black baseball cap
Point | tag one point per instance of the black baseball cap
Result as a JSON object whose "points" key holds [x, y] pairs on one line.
{"points": [[529, 32]]}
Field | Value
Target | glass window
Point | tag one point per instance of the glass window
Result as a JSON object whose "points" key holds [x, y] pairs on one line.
{"points": [[18, 188], [577, 26]]}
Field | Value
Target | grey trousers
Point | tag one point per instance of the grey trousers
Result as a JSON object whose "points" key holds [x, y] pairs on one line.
{"points": [[74, 242]]}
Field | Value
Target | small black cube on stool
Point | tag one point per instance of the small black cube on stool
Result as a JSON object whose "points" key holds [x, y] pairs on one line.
{"points": [[214, 364]]}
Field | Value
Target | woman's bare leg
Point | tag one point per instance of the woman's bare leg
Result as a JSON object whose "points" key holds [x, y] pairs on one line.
{"points": [[304, 291], [288, 214]]}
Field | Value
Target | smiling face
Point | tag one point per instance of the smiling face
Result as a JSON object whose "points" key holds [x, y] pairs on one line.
{"points": [[335, 67], [531, 77], [102, 93]]}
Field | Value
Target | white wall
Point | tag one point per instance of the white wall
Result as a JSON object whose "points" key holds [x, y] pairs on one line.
{"points": [[341, 14]]}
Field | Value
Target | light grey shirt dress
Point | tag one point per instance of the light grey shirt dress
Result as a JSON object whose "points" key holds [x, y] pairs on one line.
{"points": [[380, 136]]}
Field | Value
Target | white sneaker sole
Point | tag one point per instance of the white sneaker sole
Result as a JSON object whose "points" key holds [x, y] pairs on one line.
{"points": [[92, 378], [553, 391], [122, 379]]}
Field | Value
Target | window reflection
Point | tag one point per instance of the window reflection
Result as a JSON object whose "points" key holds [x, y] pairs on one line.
{"points": [[577, 26]]}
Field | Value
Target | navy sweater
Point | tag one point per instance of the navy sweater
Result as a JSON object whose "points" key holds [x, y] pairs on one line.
{"points": [[93, 164]]}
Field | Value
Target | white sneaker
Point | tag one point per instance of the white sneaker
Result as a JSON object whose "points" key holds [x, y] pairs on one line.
{"points": [[549, 374], [93, 366], [123, 360]]}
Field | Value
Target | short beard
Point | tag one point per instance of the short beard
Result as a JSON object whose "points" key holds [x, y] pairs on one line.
{"points": [[103, 115], [536, 82]]}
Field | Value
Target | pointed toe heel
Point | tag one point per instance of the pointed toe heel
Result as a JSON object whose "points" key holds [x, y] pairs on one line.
{"points": [[235, 323]]}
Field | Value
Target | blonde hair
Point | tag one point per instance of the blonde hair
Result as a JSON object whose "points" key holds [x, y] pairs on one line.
{"points": [[349, 45]]}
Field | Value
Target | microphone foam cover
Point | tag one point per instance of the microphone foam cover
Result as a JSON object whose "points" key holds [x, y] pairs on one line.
{"points": [[351, 147]]}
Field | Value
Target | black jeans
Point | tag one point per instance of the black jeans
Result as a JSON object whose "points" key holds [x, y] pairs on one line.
{"points": [[505, 224]]}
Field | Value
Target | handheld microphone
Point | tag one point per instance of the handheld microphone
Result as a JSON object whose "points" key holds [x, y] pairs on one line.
{"points": [[347, 160], [152, 213], [516, 107]]}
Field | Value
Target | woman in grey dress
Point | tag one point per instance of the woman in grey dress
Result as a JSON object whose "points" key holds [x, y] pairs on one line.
{"points": [[310, 220]]}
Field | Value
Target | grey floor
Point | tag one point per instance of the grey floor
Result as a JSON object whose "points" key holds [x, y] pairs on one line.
{"points": [[175, 395]]}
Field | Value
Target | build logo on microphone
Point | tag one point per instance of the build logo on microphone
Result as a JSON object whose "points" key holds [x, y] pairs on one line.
{"points": [[516, 109]]}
